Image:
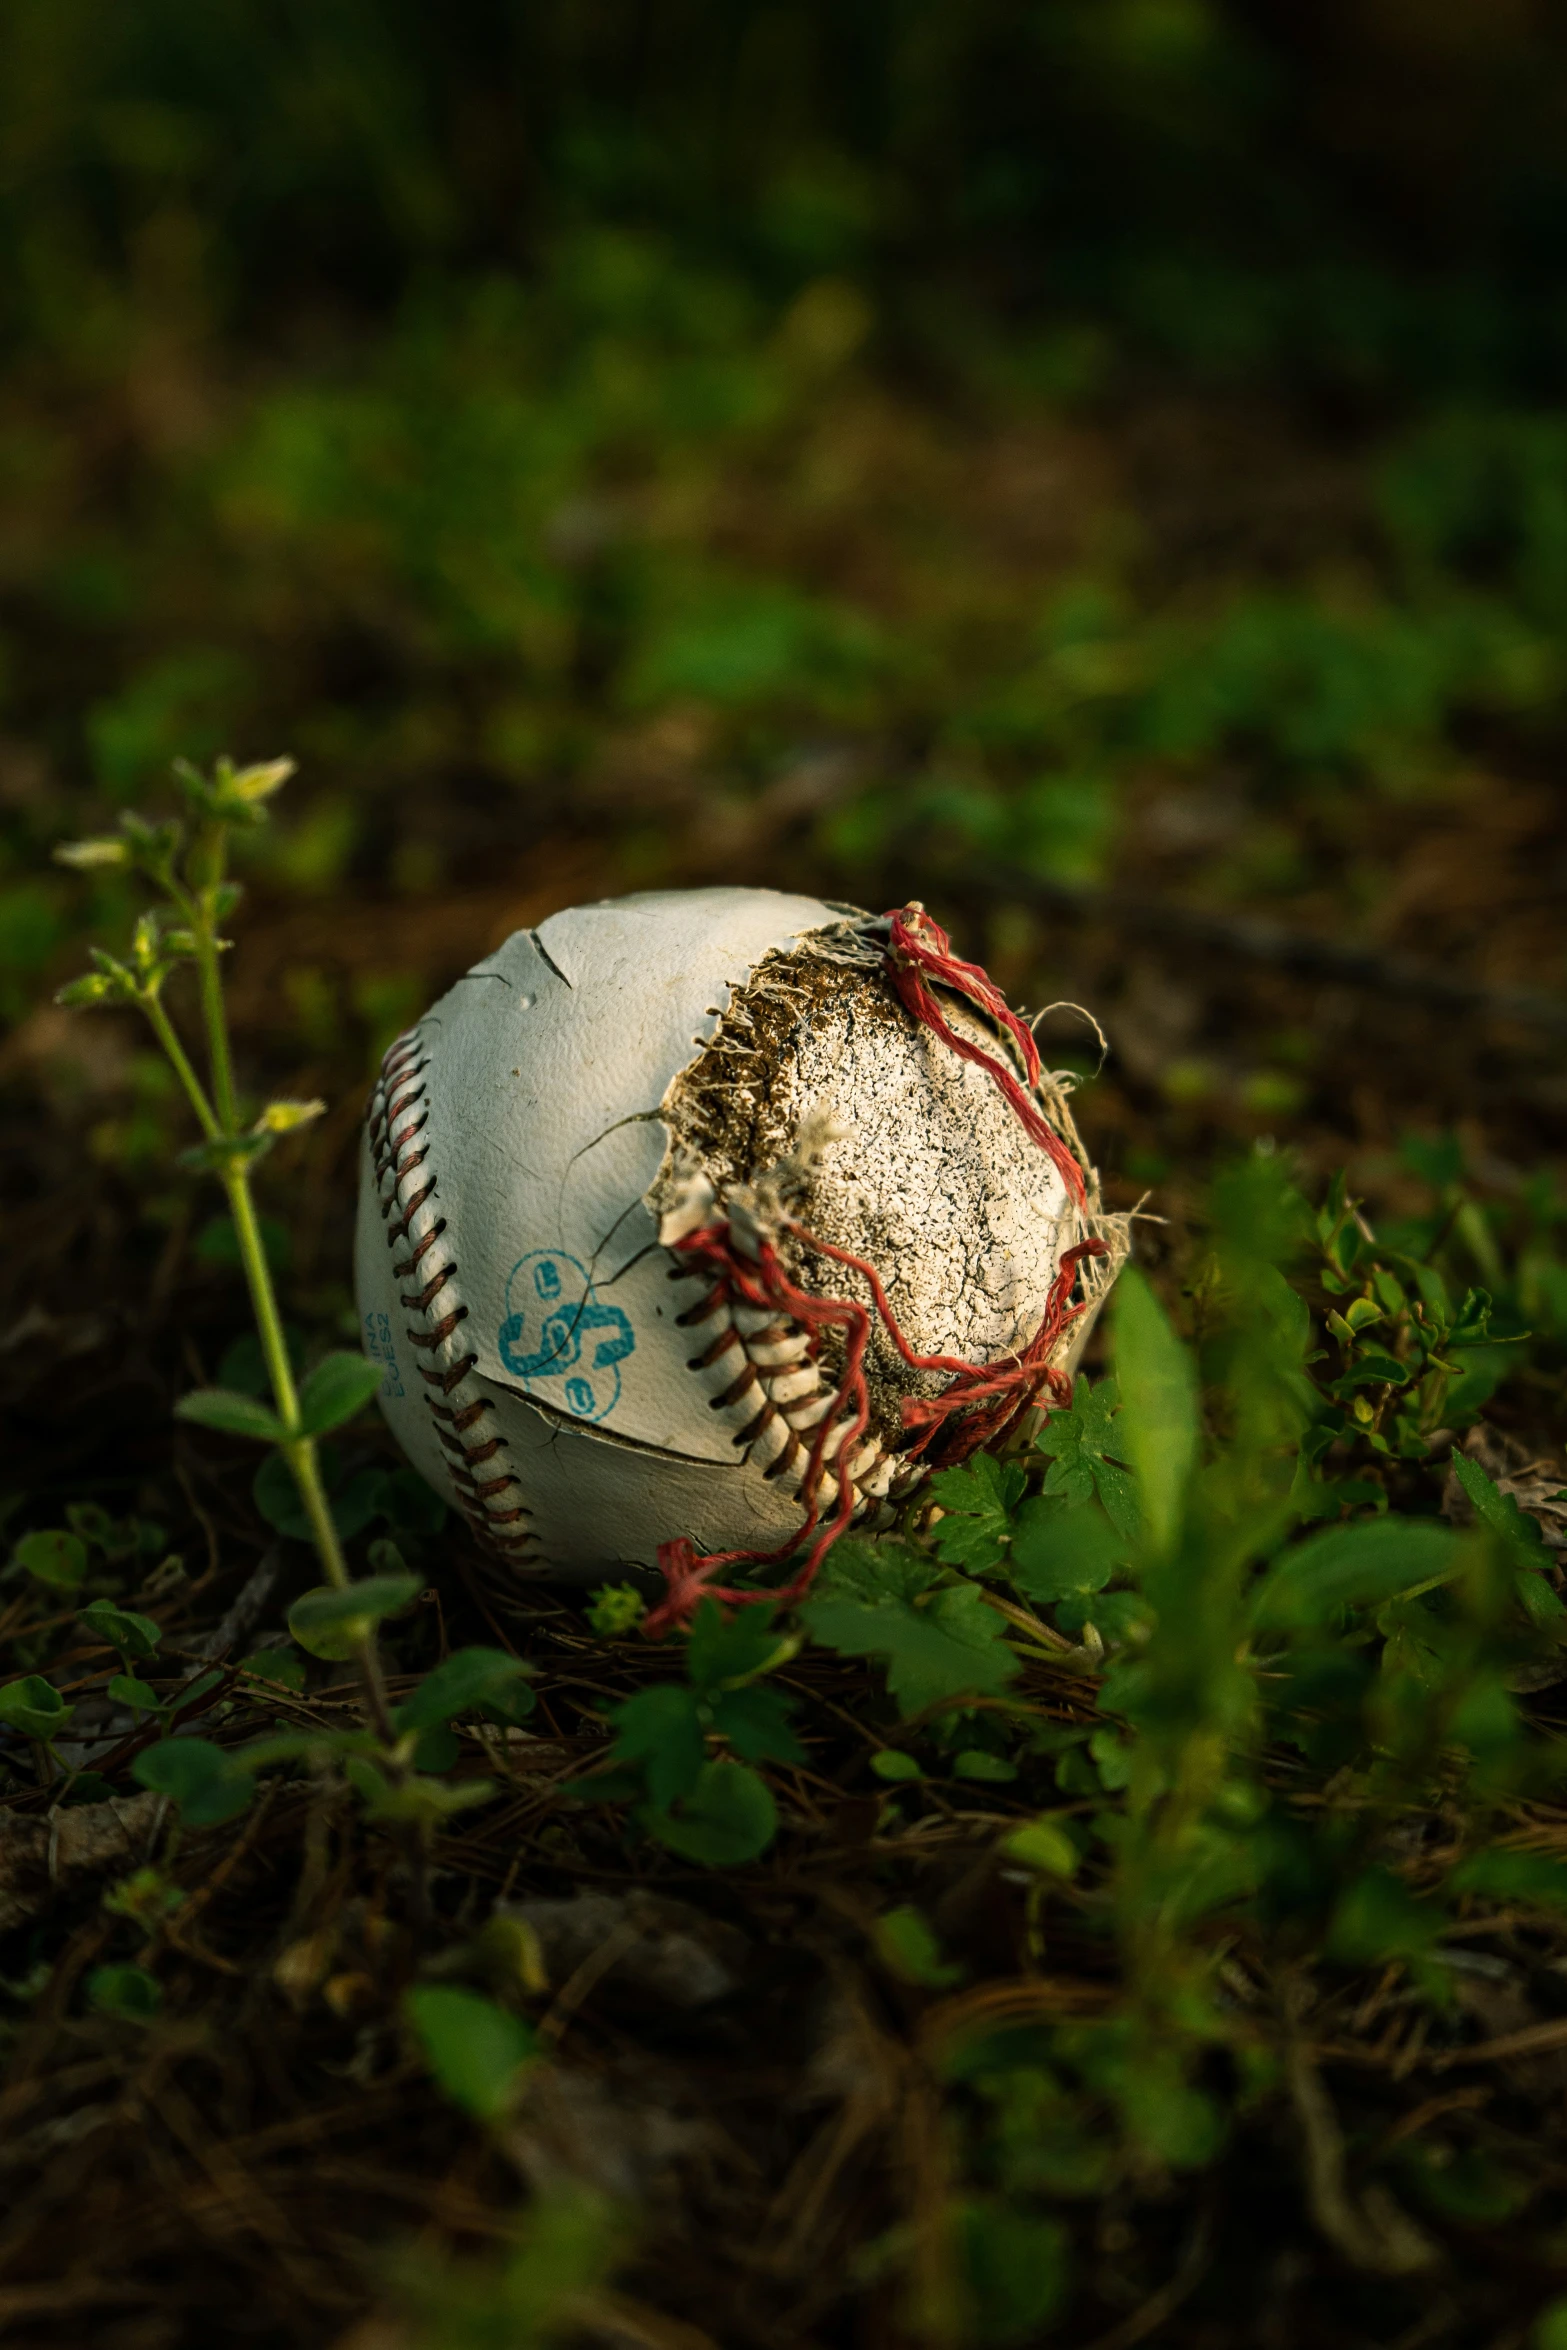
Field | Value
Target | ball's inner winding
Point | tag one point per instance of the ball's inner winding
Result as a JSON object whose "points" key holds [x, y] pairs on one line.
{"points": [[933, 1181]]}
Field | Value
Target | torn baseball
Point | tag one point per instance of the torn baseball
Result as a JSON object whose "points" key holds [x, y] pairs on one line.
{"points": [[630, 1190]]}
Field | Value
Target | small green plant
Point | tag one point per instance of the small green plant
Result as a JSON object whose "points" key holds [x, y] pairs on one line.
{"points": [[1414, 1356], [34, 1707], [395, 1774], [127, 1992], [546, 2284], [52, 1557], [479, 2053], [187, 863], [706, 1806]]}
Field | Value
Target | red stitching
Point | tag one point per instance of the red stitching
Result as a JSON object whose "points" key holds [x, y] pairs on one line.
{"points": [[415, 1126], [420, 1299], [738, 1387], [715, 1353], [481, 1487], [466, 1417], [476, 1454], [399, 1231], [440, 1331]]}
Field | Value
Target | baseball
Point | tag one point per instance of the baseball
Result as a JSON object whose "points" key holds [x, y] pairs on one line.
{"points": [[706, 1222]]}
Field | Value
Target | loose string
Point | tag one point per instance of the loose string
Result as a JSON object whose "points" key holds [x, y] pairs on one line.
{"points": [[919, 953]]}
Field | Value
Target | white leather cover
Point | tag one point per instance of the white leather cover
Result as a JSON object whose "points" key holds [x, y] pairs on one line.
{"points": [[530, 1339], [546, 1066]]}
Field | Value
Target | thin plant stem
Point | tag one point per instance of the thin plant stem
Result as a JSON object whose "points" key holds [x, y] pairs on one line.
{"points": [[217, 1026], [196, 894], [163, 1029], [269, 1326], [298, 1450], [218, 1117], [210, 858]]}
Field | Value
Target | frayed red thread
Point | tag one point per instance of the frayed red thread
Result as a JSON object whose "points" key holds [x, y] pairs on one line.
{"points": [[994, 1396], [919, 952]]}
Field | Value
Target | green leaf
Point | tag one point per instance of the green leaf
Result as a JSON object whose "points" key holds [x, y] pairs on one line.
{"points": [[1373, 1370], [756, 1724], [722, 1655], [975, 1763], [510, 1706], [276, 1495], [53, 1557], [1044, 1847], [128, 1992], [1471, 2186], [333, 1624], [1064, 1553], [1533, 1877], [468, 1679], [193, 1690], [286, 1118], [1379, 1918], [91, 989], [1485, 1716], [1112, 1759], [1117, 1616], [92, 856], [258, 782], [336, 1391], [861, 1568], [907, 1945], [208, 1784], [423, 1802], [1017, 2267], [978, 1499], [134, 1636], [353, 1504], [96, 1528], [1501, 1514], [1084, 1452], [953, 1645], [126, 1690], [1158, 1424], [410, 1504], [728, 1818], [217, 1243], [436, 1750], [891, 1762], [1177, 2123], [660, 1730], [224, 1408], [34, 1707], [478, 2052], [1353, 1566], [1550, 2327], [279, 1667], [87, 1787]]}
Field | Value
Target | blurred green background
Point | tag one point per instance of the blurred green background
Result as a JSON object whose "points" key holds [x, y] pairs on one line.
{"points": [[830, 441]]}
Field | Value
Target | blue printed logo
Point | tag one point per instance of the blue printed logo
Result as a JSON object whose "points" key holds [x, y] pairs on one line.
{"points": [[380, 1349], [556, 1330]]}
